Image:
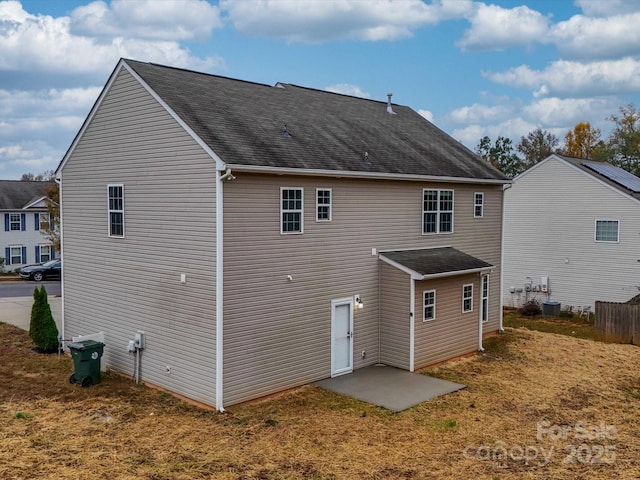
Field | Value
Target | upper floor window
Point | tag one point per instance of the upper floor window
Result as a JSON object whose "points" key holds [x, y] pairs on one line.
{"points": [[323, 205], [478, 205], [429, 305], [116, 210], [607, 230], [15, 222], [437, 211], [291, 212], [467, 298], [43, 221]]}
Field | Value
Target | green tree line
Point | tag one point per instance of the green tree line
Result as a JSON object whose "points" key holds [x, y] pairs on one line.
{"points": [[620, 148]]}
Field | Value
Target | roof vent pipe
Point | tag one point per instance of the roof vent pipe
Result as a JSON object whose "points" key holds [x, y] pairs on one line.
{"points": [[389, 109]]}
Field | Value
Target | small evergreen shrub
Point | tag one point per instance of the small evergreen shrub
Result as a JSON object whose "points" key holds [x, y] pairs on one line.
{"points": [[42, 329], [531, 309]]}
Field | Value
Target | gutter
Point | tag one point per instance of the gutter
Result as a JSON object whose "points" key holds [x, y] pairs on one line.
{"points": [[363, 175]]}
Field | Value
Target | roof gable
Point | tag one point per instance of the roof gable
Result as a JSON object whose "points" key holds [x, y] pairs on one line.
{"points": [[292, 127], [21, 195]]}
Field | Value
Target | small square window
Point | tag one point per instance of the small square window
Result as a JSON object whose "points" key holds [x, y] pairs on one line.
{"points": [[429, 304], [467, 298], [323, 205], [607, 230]]}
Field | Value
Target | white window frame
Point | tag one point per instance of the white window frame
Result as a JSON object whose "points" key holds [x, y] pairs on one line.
{"points": [[19, 256], [611, 220], [467, 297], [426, 305], [44, 224], [438, 212], [13, 222], [484, 298], [478, 205], [328, 205], [42, 246], [299, 211], [114, 210]]}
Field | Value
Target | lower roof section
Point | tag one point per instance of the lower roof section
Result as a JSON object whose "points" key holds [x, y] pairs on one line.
{"points": [[426, 263]]}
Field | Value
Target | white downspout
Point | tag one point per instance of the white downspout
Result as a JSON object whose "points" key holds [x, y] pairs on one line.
{"points": [[412, 300], [219, 287], [480, 329], [62, 336], [505, 187]]}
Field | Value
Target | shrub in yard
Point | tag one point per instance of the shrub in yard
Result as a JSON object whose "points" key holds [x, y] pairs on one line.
{"points": [[42, 329], [530, 309]]}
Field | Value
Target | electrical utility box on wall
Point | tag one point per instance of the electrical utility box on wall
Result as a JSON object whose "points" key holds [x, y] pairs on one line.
{"points": [[544, 283]]}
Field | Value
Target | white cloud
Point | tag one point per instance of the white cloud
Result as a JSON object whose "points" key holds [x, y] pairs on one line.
{"points": [[41, 43], [426, 114], [25, 157], [497, 28], [605, 8], [551, 112], [513, 128], [312, 21], [348, 89], [479, 113], [149, 19], [584, 37], [575, 79]]}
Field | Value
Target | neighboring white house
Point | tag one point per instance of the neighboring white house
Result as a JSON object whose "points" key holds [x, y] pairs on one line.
{"points": [[572, 234], [24, 212]]}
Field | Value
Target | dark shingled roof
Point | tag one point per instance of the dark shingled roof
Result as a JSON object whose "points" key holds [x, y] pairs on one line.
{"points": [[16, 194], [436, 261], [243, 123]]}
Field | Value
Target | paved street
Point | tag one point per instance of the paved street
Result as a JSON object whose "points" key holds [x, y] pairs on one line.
{"points": [[22, 288]]}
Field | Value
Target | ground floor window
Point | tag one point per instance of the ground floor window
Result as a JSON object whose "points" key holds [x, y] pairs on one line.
{"points": [[45, 253], [429, 303], [485, 298], [16, 255], [467, 298]]}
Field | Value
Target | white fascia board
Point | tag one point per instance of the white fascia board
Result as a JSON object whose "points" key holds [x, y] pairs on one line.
{"points": [[220, 165], [365, 175], [481, 270], [38, 200]]}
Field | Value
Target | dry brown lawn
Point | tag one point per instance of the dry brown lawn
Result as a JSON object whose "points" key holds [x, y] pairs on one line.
{"points": [[538, 405]]}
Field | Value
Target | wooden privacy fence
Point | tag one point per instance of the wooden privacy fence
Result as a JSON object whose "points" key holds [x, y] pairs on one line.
{"points": [[618, 322]]}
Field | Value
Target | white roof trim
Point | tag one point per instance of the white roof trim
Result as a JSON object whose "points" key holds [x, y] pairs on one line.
{"points": [[418, 276], [29, 205], [357, 174], [122, 64]]}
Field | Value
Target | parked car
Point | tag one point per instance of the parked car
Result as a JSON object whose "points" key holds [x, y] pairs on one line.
{"points": [[44, 271]]}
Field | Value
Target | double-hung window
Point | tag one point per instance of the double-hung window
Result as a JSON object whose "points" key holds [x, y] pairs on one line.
{"points": [[44, 221], [323, 205], [15, 222], [467, 298], [484, 299], [291, 210], [17, 255], [607, 230], [429, 305], [437, 211], [478, 205], [115, 205], [45, 253]]}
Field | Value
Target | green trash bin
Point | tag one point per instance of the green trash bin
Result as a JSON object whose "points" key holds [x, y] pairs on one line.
{"points": [[86, 362]]}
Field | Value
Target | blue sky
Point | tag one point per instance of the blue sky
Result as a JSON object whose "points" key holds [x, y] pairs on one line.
{"points": [[474, 68]]}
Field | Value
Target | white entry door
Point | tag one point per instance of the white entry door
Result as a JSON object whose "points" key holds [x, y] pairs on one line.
{"points": [[341, 336]]}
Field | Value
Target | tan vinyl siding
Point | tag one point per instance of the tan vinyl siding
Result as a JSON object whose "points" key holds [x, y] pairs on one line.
{"points": [[452, 333], [550, 226], [278, 332], [395, 306], [122, 285]]}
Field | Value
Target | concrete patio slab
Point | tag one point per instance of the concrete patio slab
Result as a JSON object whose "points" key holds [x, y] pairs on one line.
{"points": [[389, 387]]}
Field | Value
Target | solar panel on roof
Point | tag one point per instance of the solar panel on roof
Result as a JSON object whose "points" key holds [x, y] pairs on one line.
{"points": [[616, 174]]}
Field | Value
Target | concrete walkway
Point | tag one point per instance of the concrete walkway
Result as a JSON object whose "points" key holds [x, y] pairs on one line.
{"points": [[17, 311], [389, 387]]}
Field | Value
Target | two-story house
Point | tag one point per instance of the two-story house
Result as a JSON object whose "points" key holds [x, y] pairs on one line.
{"points": [[264, 237], [23, 206]]}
